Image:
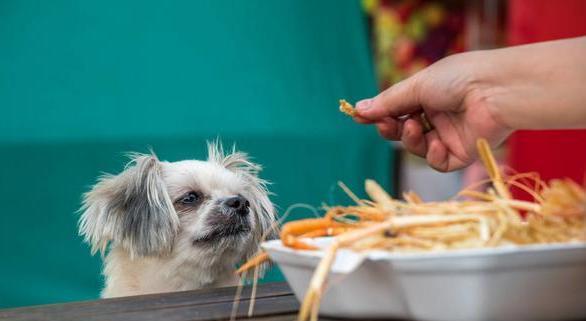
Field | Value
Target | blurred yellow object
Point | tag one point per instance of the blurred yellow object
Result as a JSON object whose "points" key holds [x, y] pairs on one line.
{"points": [[370, 5], [433, 14]]}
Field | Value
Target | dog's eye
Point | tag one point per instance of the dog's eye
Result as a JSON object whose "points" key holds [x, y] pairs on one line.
{"points": [[190, 198]]}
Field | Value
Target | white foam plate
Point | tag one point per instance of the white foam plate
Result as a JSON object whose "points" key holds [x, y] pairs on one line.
{"points": [[535, 282]]}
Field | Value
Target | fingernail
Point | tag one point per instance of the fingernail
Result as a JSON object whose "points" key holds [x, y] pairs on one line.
{"points": [[364, 104]]}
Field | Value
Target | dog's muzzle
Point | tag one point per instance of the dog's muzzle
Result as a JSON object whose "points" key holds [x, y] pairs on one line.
{"points": [[237, 204], [231, 220]]}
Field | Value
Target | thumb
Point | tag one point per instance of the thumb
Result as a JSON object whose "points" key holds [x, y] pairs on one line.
{"points": [[400, 99]]}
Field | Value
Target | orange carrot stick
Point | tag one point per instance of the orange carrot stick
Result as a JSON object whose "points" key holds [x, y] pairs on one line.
{"points": [[292, 230]]}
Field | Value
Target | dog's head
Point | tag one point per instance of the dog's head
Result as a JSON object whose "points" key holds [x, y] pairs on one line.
{"points": [[185, 208]]}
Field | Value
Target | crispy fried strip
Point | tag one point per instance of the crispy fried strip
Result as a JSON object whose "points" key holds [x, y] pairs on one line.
{"points": [[412, 198], [350, 193], [476, 194], [347, 108], [379, 195], [253, 262], [492, 168], [330, 231]]}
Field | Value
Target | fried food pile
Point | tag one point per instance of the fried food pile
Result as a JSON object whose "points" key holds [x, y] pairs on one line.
{"points": [[474, 219]]}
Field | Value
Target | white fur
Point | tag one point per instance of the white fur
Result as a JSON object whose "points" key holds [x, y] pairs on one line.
{"points": [[187, 265]]}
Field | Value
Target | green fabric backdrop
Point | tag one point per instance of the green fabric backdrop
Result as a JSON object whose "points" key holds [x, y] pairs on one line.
{"points": [[82, 82]]}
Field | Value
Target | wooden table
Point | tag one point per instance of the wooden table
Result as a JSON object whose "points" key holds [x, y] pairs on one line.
{"points": [[274, 301]]}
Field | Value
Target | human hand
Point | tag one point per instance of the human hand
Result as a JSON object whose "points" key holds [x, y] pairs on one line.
{"points": [[455, 104], [482, 94]]}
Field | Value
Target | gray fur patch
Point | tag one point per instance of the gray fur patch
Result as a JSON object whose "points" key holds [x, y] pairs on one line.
{"points": [[132, 209]]}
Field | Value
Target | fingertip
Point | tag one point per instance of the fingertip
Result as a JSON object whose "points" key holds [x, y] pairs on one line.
{"points": [[413, 139], [437, 155], [384, 132], [362, 120], [389, 129], [364, 105], [376, 107], [412, 129]]}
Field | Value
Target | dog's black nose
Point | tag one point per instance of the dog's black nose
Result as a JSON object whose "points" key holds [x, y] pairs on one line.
{"points": [[238, 204]]}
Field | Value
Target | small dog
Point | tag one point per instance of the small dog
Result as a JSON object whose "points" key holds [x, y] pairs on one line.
{"points": [[177, 226]]}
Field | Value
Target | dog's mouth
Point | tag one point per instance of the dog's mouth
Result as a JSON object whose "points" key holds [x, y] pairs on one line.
{"points": [[223, 233]]}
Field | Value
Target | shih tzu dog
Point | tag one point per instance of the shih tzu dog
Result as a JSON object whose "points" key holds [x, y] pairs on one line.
{"points": [[174, 226]]}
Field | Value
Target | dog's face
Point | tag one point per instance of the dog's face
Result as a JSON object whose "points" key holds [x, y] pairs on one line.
{"points": [[199, 210], [212, 203]]}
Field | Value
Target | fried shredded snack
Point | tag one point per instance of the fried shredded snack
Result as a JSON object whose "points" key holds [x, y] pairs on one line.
{"points": [[487, 219], [347, 108]]}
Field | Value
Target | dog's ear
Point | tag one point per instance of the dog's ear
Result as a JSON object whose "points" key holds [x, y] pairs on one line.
{"points": [[265, 210], [257, 193], [131, 209], [267, 225]]}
